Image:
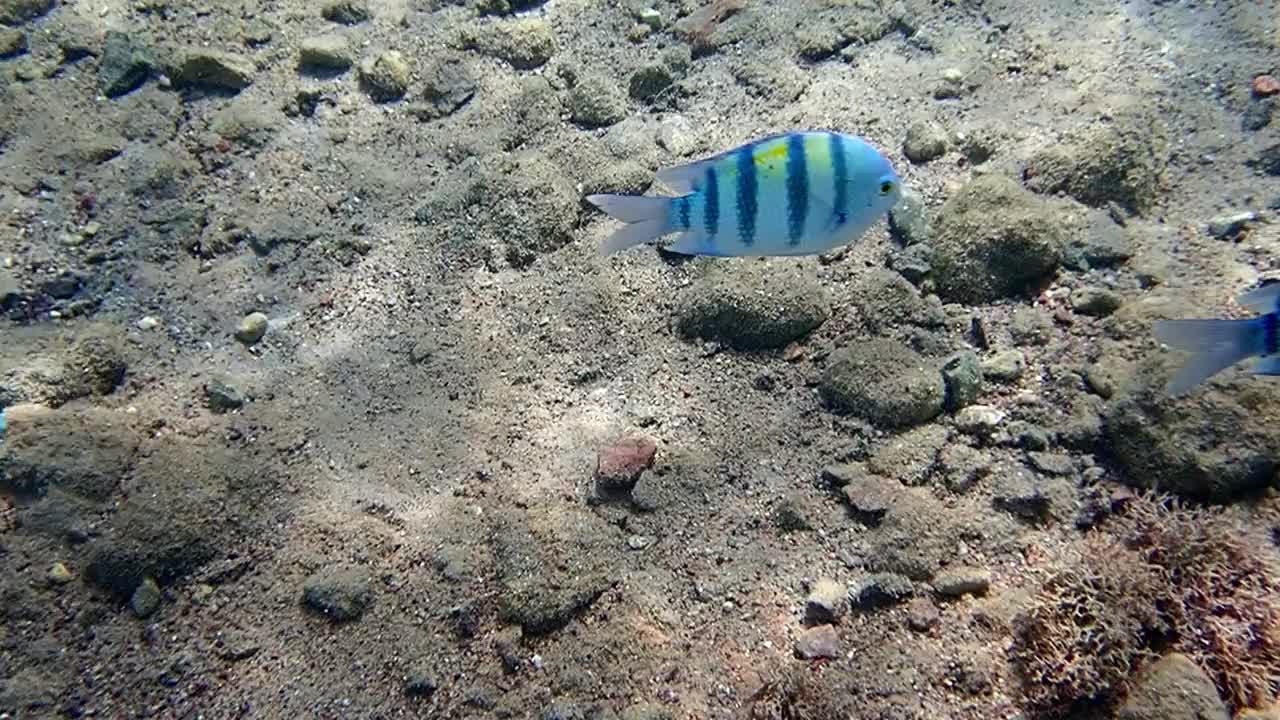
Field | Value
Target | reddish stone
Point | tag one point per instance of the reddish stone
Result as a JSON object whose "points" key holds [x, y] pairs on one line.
{"points": [[1265, 85], [618, 467]]}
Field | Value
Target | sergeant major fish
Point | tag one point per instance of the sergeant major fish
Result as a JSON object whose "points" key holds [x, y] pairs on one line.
{"points": [[1218, 344], [799, 193]]}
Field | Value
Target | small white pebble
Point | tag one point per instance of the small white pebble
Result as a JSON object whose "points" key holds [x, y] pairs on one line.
{"points": [[148, 323]]}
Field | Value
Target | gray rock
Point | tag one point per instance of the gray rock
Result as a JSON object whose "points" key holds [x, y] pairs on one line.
{"points": [[1028, 436], [126, 63], [222, 396], [963, 377], [59, 574], [1257, 114], [922, 615], [84, 453], [1005, 366], [1216, 443], [869, 496], [1018, 492], [640, 711], [1104, 243], [420, 683], [885, 299], [1268, 160], [342, 594], [1122, 160], [1051, 463], [251, 328], [993, 239], [752, 308], [793, 513], [200, 66], [447, 85], [963, 580], [1096, 302], [385, 76], [979, 420], [910, 457], [962, 467], [1083, 429], [13, 42], [1173, 688], [330, 52], [530, 207], [880, 590], [145, 599], [826, 603], [525, 43], [883, 382], [909, 219], [15, 12], [1225, 227], [346, 12], [1030, 326], [914, 262], [925, 141], [650, 81], [596, 102], [820, 641], [916, 536]]}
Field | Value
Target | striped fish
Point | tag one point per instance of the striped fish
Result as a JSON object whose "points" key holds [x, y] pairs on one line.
{"points": [[799, 193], [1217, 344]]}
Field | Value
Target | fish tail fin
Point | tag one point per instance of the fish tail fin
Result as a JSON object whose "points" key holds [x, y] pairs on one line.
{"points": [[1216, 345], [647, 219]]}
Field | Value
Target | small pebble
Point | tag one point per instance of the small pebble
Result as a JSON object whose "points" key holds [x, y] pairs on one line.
{"points": [[148, 323], [1265, 86], [964, 580], [1005, 366], [251, 328], [820, 641], [59, 574], [146, 598], [826, 602], [1226, 227], [1095, 302], [979, 419], [922, 615]]}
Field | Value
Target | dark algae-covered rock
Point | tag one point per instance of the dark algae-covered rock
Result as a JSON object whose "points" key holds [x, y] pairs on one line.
{"points": [[752, 308], [1215, 443], [994, 239], [884, 382]]}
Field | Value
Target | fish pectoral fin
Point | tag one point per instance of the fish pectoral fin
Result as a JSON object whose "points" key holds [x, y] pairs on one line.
{"points": [[1261, 299]]}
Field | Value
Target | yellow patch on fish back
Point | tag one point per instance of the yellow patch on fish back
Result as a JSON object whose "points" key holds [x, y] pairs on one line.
{"points": [[817, 152], [771, 157]]}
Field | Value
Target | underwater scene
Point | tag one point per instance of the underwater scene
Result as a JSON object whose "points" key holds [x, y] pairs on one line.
{"points": [[640, 359]]}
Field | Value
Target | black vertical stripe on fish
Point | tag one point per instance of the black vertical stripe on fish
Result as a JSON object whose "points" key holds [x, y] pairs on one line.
{"points": [[711, 211], [839, 179], [797, 188], [747, 194], [682, 207], [1270, 333]]}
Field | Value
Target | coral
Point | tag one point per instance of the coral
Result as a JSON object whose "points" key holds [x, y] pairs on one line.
{"points": [[1162, 576]]}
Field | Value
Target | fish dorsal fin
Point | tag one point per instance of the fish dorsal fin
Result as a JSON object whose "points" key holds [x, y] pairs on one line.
{"points": [[684, 179], [1263, 299]]}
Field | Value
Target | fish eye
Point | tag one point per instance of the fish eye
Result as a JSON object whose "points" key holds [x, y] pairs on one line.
{"points": [[886, 187]]}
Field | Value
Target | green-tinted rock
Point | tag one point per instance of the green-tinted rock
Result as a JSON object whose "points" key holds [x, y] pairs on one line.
{"points": [[963, 377], [753, 307], [385, 77], [212, 68], [126, 63], [525, 43], [1217, 443], [994, 239], [146, 598], [650, 81], [925, 141], [886, 299], [884, 382], [331, 51], [13, 12], [908, 220], [342, 594], [447, 85], [12, 42], [346, 12], [1121, 160], [596, 102]]}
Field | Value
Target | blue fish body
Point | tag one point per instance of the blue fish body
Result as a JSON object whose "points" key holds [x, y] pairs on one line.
{"points": [[1217, 344], [799, 193]]}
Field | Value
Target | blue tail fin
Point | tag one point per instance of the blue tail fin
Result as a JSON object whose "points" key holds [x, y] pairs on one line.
{"points": [[1216, 345], [646, 218]]}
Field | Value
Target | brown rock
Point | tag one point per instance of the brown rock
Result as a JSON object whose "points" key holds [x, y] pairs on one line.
{"points": [[922, 615], [618, 467], [1265, 85], [1174, 688], [820, 641]]}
